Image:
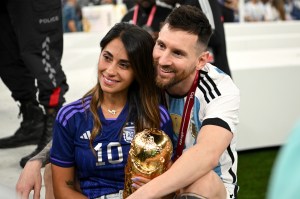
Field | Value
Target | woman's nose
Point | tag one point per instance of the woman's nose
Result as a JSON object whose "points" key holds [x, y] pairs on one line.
{"points": [[111, 68]]}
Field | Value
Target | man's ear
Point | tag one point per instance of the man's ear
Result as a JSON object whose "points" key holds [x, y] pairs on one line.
{"points": [[202, 60]]}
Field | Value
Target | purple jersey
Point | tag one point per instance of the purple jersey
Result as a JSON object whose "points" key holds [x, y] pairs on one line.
{"points": [[104, 173]]}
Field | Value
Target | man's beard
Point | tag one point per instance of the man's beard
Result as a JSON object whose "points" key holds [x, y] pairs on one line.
{"points": [[162, 83], [165, 84]]}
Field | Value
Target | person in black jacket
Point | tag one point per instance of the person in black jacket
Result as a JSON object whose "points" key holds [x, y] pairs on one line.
{"points": [[31, 44], [147, 14]]}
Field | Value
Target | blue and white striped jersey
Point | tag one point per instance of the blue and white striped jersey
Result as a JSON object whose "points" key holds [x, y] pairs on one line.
{"points": [[217, 102], [101, 173]]}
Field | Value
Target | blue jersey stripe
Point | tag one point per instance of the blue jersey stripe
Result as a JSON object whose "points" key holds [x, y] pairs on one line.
{"points": [[65, 109], [62, 162], [73, 112], [72, 109], [164, 116], [77, 102]]}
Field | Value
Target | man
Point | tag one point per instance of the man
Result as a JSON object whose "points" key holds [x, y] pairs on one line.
{"points": [[30, 49], [207, 128], [207, 166], [217, 43], [147, 14], [72, 16], [229, 10]]}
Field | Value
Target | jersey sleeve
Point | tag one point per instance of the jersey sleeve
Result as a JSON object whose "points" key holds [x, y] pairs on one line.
{"points": [[223, 110], [62, 151]]}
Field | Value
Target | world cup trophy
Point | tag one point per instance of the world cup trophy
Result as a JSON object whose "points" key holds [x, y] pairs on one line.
{"points": [[149, 155]]}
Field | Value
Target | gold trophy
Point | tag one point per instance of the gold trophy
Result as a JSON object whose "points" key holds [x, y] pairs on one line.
{"points": [[149, 155]]}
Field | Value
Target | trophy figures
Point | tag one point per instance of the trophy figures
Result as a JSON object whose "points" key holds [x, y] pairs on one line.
{"points": [[149, 156]]}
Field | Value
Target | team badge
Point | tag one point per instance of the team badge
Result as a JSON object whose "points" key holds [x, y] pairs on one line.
{"points": [[128, 132], [176, 121]]}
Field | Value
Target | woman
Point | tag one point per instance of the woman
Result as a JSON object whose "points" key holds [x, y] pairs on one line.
{"points": [[92, 135], [274, 11]]}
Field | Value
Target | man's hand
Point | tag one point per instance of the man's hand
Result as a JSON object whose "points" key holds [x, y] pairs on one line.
{"points": [[30, 179]]}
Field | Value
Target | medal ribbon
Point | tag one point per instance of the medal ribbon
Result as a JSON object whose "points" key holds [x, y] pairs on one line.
{"points": [[186, 117], [150, 17]]}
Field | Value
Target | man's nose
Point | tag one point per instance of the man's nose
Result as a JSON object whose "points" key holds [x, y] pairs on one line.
{"points": [[164, 59]]}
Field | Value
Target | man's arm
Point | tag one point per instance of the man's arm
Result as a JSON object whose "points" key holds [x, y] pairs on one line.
{"points": [[44, 155], [31, 178], [72, 26], [194, 163]]}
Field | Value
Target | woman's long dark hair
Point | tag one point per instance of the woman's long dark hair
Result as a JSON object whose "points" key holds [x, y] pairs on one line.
{"points": [[143, 94]]}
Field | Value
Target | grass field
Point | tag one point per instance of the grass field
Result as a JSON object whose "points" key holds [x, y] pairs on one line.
{"points": [[254, 169]]}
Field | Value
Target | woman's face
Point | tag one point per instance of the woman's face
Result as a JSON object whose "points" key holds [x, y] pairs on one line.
{"points": [[114, 69]]}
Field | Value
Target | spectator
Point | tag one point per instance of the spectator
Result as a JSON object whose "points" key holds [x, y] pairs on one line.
{"points": [[274, 11], [295, 13], [229, 10], [254, 11], [147, 14], [72, 18]]}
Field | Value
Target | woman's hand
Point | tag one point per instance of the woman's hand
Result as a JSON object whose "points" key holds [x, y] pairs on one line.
{"points": [[139, 181]]}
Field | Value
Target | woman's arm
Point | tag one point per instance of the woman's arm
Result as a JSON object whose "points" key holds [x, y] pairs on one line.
{"points": [[64, 183]]}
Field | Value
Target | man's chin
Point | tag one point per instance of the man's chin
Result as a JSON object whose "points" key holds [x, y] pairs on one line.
{"points": [[163, 84]]}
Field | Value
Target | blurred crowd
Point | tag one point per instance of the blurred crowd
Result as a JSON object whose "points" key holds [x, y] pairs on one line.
{"points": [[271, 10], [253, 10]]}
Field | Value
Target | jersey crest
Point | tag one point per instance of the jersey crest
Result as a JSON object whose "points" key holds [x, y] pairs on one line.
{"points": [[128, 132]]}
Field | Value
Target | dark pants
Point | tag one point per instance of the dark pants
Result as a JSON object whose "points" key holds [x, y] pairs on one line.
{"points": [[31, 43]]}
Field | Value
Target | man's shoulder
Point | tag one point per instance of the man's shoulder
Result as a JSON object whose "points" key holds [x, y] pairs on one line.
{"points": [[214, 83]]}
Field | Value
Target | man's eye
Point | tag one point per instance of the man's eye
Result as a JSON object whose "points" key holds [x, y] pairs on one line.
{"points": [[177, 53], [160, 45]]}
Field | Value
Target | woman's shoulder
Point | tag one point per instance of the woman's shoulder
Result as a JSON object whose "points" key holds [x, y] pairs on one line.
{"points": [[78, 106]]}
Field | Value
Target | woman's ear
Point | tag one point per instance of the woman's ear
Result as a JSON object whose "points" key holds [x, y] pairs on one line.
{"points": [[202, 60]]}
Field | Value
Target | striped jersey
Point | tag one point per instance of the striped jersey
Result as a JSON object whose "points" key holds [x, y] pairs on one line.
{"points": [[216, 103], [101, 173]]}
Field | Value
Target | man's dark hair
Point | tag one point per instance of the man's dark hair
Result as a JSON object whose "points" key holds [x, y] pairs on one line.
{"points": [[192, 20]]}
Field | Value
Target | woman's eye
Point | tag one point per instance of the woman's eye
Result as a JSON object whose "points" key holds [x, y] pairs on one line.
{"points": [[124, 65], [106, 57]]}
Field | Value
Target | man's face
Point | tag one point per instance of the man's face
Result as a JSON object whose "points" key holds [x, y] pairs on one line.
{"points": [[145, 3], [177, 57]]}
